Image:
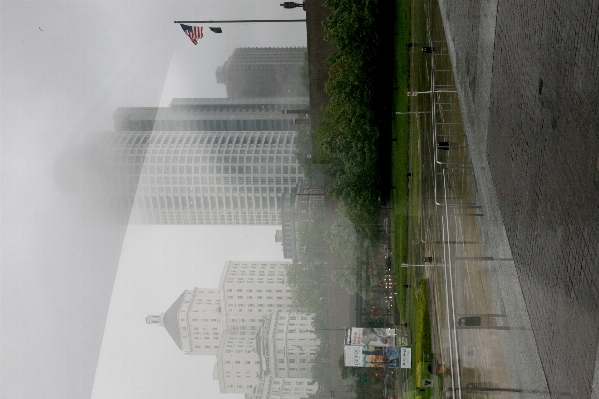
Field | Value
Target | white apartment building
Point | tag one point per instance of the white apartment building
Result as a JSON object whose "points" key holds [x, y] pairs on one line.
{"points": [[271, 387], [212, 114], [283, 350], [250, 290], [237, 362], [194, 321], [205, 177], [291, 344], [261, 347]]}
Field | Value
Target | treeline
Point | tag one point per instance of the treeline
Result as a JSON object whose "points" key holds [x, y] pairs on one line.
{"points": [[307, 275], [352, 129]]}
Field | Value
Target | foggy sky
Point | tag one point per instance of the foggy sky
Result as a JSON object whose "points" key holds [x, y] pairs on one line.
{"points": [[59, 256]]}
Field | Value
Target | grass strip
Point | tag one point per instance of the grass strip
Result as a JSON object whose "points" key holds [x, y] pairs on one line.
{"points": [[400, 150], [422, 343]]}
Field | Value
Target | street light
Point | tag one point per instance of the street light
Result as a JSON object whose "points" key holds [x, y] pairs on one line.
{"points": [[291, 4], [403, 388]]}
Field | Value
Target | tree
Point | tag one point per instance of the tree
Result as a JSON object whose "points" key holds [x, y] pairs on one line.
{"points": [[342, 238]]}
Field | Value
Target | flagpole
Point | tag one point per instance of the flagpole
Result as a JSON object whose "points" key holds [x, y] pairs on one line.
{"points": [[240, 21]]}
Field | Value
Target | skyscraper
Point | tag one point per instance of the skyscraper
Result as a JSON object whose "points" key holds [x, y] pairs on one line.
{"points": [[201, 177], [207, 161], [264, 72], [211, 114]]}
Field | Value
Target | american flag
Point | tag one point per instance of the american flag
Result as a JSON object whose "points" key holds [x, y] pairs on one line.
{"points": [[194, 32]]}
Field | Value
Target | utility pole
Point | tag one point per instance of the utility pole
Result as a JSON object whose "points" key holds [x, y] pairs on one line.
{"points": [[238, 21]]}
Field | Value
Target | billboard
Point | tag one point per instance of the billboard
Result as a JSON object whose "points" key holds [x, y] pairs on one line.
{"points": [[363, 356], [405, 358], [379, 337], [373, 356]]}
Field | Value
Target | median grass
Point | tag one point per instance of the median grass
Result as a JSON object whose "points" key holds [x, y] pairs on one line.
{"points": [[400, 150], [422, 343]]}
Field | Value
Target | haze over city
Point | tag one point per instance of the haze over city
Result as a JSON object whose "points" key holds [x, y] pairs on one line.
{"points": [[66, 68], [380, 199]]}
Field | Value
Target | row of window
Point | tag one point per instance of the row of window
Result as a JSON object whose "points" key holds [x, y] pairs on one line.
{"points": [[280, 171], [260, 290], [200, 202], [259, 310], [204, 155], [259, 297], [194, 137], [201, 220], [162, 180], [212, 190], [259, 280], [186, 160], [211, 124]]}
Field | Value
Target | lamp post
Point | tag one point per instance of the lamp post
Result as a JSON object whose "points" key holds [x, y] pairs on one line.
{"points": [[292, 4]]}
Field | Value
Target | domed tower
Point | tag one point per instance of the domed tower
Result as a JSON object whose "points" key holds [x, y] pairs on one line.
{"points": [[194, 321]]}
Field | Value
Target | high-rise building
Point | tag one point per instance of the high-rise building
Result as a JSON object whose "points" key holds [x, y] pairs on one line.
{"points": [[248, 291], [202, 177], [206, 161], [284, 349], [212, 114], [194, 321], [248, 325], [264, 72]]}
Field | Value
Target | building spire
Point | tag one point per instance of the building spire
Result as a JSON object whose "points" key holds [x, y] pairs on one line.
{"points": [[157, 319]]}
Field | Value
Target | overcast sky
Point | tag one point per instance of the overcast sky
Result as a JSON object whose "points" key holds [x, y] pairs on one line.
{"points": [[65, 67]]}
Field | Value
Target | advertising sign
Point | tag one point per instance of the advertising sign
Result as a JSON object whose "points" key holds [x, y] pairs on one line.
{"points": [[392, 356], [363, 356], [376, 356], [405, 358], [379, 337], [352, 356]]}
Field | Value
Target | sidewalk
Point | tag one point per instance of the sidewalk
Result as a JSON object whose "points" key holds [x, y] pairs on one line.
{"points": [[501, 355], [527, 75]]}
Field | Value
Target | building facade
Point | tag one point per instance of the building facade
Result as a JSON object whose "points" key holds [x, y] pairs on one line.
{"points": [[288, 344], [262, 349], [204, 177], [280, 349], [298, 207], [271, 387], [194, 321], [251, 290], [264, 72], [205, 161], [212, 114]]}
